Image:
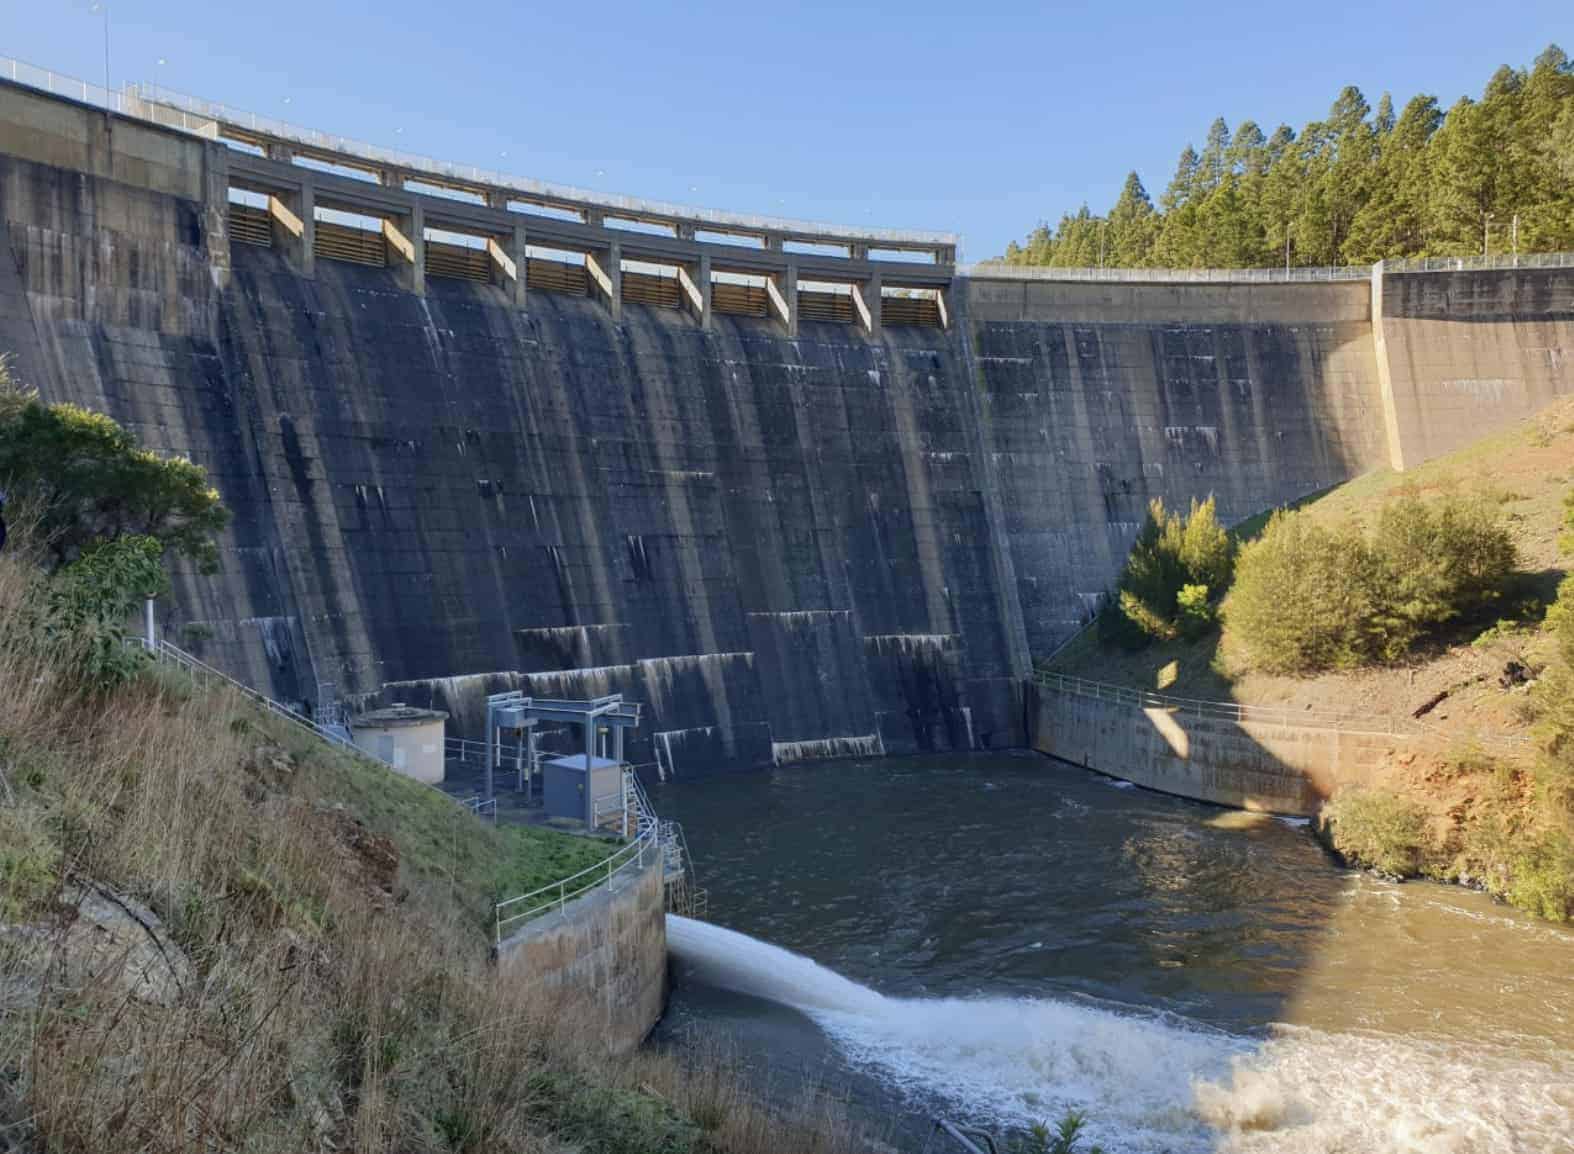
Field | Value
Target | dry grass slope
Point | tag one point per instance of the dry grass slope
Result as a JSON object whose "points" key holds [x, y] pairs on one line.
{"points": [[325, 982]]}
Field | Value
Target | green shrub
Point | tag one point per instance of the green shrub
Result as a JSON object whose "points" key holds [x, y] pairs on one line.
{"points": [[1553, 696], [1505, 633], [1064, 1138], [1309, 597], [99, 513], [90, 600], [1173, 554], [1376, 829], [1195, 613], [1438, 560], [88, 480], [1541, 878], [1302, 598]]}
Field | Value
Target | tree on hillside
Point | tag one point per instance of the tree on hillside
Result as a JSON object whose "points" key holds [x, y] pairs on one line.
{"points": [[1132, 226], [1394, 217], [1465, 173], [1213, 164], [1247, 154], [101, 513], [1560, 145], [1308, 597], [1383, 118], [1178, 566], [1358, 186]]}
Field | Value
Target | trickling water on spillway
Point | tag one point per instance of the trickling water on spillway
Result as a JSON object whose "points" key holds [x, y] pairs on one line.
{"points": [[1006, 937]]}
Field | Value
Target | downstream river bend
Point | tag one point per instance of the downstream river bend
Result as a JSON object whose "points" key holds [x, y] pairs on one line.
{"points": [[1000, 937]]}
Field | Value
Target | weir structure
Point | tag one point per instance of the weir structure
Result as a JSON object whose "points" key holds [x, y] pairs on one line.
{"points": [[840, 534]]}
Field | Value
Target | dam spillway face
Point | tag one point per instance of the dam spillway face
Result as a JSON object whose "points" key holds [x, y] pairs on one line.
{"points": [[792, 529]]}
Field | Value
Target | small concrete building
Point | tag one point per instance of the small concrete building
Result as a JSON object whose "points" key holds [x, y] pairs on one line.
{"points": [[407, 738], [564, 786]]}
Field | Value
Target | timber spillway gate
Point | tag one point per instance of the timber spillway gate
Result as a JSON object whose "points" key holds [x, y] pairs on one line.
{"points": [[800, 503]]}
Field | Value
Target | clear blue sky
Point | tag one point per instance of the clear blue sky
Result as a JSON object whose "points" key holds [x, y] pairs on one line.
{"points": [[980, 118]]}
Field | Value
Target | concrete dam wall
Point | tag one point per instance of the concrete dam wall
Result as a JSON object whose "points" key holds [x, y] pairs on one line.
{"points": [[788, 547]]}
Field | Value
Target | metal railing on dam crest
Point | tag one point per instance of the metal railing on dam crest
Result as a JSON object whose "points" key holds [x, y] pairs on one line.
{"points": [[1324, 274]]}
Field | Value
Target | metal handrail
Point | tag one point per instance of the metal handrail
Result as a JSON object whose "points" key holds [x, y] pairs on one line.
{"points": [[964, 1136], [59, 84], [1321, 274], [481, 805], [463, 749], [1225, 710], [209, 111], [558, 894], [649, 835], [1000, 270], [1502, 260], [173, 654], [195, 667], [162, 106], [466, 749]]}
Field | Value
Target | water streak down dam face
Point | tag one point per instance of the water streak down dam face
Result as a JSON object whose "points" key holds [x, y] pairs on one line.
{"points": [[787, 547]]}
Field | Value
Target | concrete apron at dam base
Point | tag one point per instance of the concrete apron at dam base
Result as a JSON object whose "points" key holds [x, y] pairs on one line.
{"points": [[1271, 766], [600, 962]]}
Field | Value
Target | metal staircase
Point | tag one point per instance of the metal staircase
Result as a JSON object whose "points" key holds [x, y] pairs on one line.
{"points": [[683, 896]]}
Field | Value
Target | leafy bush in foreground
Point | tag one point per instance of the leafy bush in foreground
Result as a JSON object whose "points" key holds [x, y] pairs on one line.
{"points": [[1437, 560], [87, 479], [98, 514]]}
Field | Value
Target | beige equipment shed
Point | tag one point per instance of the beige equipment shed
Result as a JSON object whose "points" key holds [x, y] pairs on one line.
{"points": [[407, 738]]}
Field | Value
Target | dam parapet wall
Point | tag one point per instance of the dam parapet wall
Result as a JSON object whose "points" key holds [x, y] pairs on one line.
{"points": [[788, 540]]}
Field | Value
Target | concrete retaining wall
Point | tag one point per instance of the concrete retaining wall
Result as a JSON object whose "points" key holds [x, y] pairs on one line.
{"points": [[1249, 765], [603, 960]]}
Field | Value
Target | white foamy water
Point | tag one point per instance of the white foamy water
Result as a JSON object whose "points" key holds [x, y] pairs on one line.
{"points": [[1151, 1082]]}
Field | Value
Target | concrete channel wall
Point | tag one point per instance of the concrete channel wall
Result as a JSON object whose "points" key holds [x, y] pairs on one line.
{"points": [[785, 547], [601, 961], [1271, 766]]}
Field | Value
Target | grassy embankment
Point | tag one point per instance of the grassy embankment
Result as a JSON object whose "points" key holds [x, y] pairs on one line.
{"points": [[1492, 808], [333, 991]]}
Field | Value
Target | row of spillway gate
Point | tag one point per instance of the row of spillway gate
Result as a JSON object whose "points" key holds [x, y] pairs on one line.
{"points": [[251, 224]]}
